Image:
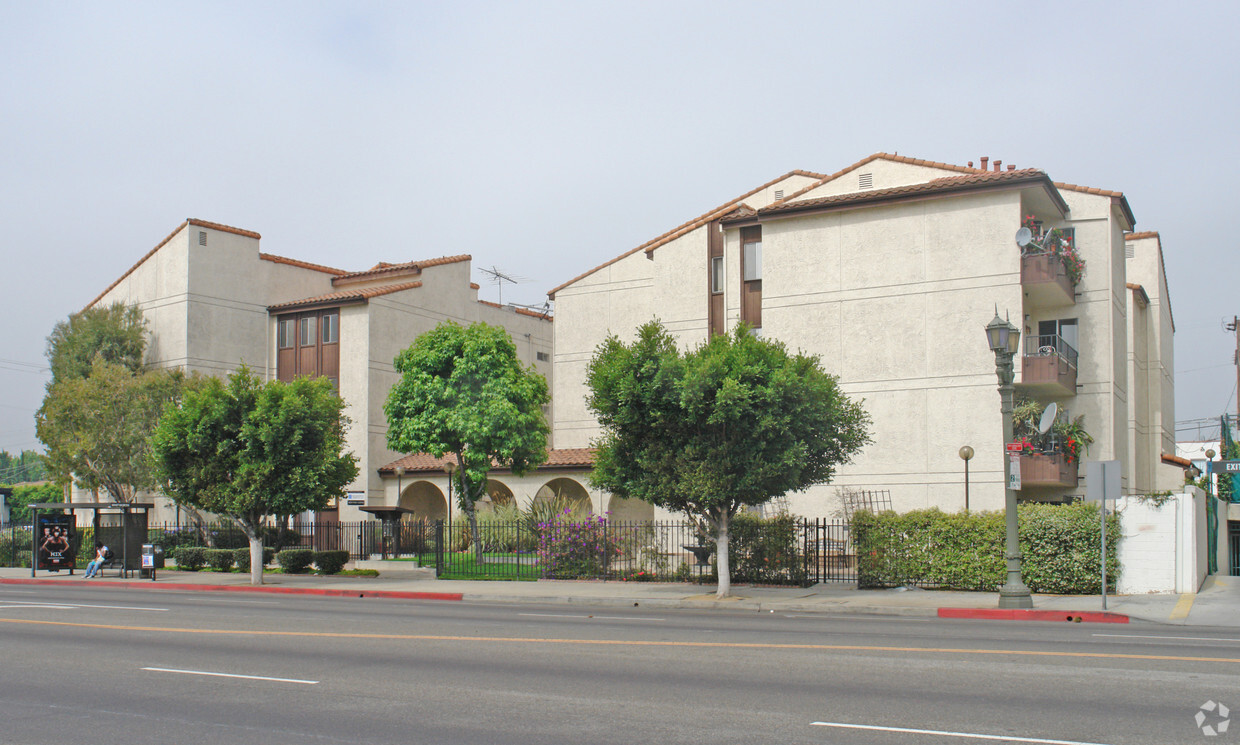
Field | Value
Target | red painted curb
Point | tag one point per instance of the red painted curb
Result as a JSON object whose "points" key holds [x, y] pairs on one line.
{"points": [[322, 591], [1011, 614]]}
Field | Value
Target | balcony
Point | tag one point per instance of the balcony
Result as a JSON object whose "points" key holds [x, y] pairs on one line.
{"points": [[1047, 470], [1045, 280], [1048, 366]]}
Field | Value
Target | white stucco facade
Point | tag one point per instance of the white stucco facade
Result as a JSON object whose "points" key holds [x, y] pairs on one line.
{"points": [[888, 271]]}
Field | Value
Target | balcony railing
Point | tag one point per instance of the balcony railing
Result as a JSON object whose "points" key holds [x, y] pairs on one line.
{"points": [[1047, 470], [1049, 365], [1045, 279]]}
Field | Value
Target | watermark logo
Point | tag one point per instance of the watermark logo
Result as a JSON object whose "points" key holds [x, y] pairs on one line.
{"points": [[1213, 719]]}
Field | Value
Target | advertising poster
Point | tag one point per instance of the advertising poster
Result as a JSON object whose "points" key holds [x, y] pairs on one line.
{"points": [[55, 541]]}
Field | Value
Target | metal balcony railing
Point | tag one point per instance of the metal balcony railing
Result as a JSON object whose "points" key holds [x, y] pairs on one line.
{"points": [[1044, 345]]}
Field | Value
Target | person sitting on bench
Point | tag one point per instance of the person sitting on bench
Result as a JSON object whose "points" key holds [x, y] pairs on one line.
{"points": [[101, 555]]}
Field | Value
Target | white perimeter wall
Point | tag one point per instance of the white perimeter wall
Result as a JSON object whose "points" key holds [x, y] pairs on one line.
{"points": [[1163, 549]]}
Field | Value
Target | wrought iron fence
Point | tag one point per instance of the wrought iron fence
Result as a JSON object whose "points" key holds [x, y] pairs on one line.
{"points": [[795, 551]]}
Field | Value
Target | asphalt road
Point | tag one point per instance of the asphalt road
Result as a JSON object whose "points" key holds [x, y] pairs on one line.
{"points": [[101, 665]]}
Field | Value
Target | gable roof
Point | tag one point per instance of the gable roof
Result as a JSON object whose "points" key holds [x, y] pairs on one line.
{"points": [[384, 269], [302, 264], [344, 297], [694, 224], [940, 187], [164, 242]]}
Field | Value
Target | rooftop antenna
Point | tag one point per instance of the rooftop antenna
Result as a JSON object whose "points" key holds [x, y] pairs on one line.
{"points": [[499, 278]]}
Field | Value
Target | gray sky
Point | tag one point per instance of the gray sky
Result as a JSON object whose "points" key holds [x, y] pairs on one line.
{"points": [[544, 138]]}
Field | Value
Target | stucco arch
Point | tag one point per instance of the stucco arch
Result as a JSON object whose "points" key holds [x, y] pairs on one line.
{"points": [[571, 491], [426, 500], [498, 494], [630, 510]]}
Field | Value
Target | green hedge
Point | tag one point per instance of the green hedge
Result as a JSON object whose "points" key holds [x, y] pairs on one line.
{"points": [[330, 562], [220, 559], [964, 551], [295, 560], [191, 558], [766, 550]]}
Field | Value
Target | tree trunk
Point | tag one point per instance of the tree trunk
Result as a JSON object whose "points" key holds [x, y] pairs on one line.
{"points": [[722, 566], [253, 531]]}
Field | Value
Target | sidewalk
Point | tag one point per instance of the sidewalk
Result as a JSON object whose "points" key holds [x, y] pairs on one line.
{"points": [[1217, 604]]}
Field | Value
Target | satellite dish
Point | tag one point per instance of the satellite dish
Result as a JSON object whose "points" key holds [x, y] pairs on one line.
{"points": [[1048, 418], [1024, 237]]}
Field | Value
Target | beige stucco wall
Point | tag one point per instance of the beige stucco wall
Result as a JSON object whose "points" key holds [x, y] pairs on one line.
{"points": [[1152, 364], [885, 174]]}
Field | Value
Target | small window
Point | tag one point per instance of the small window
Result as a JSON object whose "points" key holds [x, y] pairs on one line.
{"points": [[753, 261], [307, 331], [331, 328], [285, 333], [716, 275]]}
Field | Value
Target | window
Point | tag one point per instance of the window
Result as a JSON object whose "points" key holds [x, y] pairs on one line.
{"points": [[753, 260], [307, 331], [285, 333], [716, 275], [331, 328], [543, 356]]}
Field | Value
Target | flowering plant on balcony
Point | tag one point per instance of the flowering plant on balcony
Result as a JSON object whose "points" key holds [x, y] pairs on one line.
{"points": [[1066, 436], [1059, 244]]}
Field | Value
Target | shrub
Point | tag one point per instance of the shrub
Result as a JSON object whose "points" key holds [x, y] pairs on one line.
{"points": [[330, 562], [295, 560], [766, 550], [191, 558], [15, 547], [965, 551], [571, 549], [220, 559], [279, 538], [241, 557]]}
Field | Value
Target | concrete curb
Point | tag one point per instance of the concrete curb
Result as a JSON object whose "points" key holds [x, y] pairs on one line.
{"points": [[319, 591], [1005, 614]]}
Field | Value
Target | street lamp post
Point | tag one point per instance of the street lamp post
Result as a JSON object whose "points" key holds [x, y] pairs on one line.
{"points": [[966, 454], [1004, 341]]}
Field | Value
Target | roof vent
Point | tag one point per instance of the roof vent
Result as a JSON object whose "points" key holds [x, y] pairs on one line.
{"points": [[779, 193], [1130, 251], [865, 181], [202, 237]]}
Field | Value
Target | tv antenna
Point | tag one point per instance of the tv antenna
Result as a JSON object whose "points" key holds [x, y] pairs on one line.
{"points": [[499, 278], [544, 310]]}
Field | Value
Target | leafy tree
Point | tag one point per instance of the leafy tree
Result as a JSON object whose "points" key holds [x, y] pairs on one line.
{"points": [[115, 334], [97, 428], [734, 423], [464, 392], [26, 466], [23, 496], [247, 449]]}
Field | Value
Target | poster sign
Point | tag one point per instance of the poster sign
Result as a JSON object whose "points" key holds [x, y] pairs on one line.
{"points": [[55, 536], [1014, 473]]}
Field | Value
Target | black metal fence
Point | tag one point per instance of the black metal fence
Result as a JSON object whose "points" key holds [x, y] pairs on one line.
{"points": [[788, 550]]}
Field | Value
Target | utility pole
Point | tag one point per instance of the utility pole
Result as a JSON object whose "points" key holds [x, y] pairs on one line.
{"points": [[1234, 327]]}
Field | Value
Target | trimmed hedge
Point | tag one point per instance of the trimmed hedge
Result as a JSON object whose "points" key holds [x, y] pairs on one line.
{"points": [[295, 560], [241, 557], [964, 551], [766, 550], [220, 559], [330, 562], [191, 558]]}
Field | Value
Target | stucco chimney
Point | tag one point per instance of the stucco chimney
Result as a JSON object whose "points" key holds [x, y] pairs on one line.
{"points": [[970, 164], [997, 164], [1011, 166], [985, 162]]}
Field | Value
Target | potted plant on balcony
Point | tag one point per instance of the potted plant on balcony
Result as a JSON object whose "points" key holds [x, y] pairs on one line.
{"points": [[1067, 437], [1059, 244]]}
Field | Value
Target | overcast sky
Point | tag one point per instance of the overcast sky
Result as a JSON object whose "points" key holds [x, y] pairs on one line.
{"points": [[545, 138]]}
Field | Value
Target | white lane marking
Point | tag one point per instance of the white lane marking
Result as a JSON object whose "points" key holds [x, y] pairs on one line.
{"points": [[40, 607], [228, 675], [36, 604], [605, 618], [942, 733], [1187, 638]]}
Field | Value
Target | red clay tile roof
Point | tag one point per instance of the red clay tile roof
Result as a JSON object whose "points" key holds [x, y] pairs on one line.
{"points": [[384, 269], [936, 187], [522, 311], [694, 224], [164, 242], [1175, 460], [1141, 236], [1140, 292], [302, 264], [475, 286], [556, 458], [344, 297]]}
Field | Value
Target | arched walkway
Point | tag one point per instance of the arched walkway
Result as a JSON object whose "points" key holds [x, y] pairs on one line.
{"points": [[498, 494], [630, 510], [566, 493], [426, 501]]}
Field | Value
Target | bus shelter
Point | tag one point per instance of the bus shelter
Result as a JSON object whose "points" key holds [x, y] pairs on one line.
{"points": [[122, 526]]}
